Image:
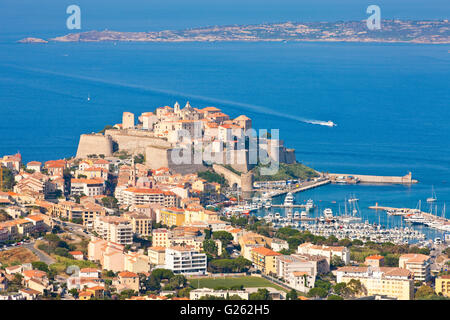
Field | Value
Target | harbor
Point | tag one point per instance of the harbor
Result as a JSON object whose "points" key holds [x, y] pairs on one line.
{"points": [[334, 209]]}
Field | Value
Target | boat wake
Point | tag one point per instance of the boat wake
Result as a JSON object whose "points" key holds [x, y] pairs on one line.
{"points": [[219, 102]]}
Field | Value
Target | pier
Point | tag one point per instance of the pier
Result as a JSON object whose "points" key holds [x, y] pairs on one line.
{"points": [[406, 179], [303, 187], [410, 212], [291, 206]]}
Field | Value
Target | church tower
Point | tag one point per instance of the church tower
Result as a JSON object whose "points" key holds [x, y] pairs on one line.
{"points": [[176, 108]]}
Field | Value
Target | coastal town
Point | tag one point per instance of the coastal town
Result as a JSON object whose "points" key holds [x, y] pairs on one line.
{"points": [[394, 30], [134, 215]]}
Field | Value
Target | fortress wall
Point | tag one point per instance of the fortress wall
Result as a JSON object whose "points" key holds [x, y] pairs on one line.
{"points": [[94, 144], [135, 144], [157, 157], [231, 177]]}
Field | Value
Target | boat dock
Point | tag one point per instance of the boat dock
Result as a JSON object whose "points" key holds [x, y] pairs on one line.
{"points": [[409, 211], [406, 179], [305, 186], [290, 206]]}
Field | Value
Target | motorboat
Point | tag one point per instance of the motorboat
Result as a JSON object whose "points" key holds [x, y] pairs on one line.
{"points": [[289, 200]]}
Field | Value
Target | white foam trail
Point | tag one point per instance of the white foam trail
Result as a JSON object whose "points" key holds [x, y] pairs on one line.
{"points": [[256, 108]]}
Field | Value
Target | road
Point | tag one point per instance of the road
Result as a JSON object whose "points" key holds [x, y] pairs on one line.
{"points": [[42, 256]]}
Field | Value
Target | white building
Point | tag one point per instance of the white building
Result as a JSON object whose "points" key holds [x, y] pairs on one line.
{"points": [[115, 229], [279, 244], [301, 281], [326, 251], [88, 187], [202, 292], [286, 265], [185, 260], [141, 196]]}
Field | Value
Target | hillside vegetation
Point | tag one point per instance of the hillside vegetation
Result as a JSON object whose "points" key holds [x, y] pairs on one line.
{"points": [[286, 172]]}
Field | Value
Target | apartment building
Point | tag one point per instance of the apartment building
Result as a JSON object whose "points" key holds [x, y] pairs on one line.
{"points": [[418, 264], [285, 265], [114, 229], [264, 259], [442, 285], [157, 255], [160, 238], [301, 281], [172, 216], [185, 260], [141, 196], [126, 281], [326, 251], [385, 281], [141, 224], [88, 187]]}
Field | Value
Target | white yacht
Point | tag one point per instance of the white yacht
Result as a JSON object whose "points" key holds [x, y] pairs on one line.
{"points": [[328, 213], [309, 204], [289, 200], [268, 204]]}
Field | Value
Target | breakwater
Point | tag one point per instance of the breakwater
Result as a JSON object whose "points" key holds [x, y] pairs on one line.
{"points": [[406, 179]]}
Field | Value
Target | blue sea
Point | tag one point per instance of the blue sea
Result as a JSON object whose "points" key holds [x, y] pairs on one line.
{"points": [[391, 101]]}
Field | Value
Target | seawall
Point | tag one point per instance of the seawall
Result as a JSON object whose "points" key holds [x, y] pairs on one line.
{"points": [[406, 179]]}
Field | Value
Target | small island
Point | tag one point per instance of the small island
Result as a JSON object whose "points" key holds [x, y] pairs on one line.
{"points": [[32, 40]]}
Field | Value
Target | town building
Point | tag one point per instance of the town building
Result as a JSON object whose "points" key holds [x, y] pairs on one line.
{"points": [[418, 264], [391, 282], [88, 187], [185, 260], [374, 261], [327, 251], [196, 294], [264, 259], [114, 229], [442, 285]]}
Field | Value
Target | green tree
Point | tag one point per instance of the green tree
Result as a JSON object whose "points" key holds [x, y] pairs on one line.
{"points": [[74, 293], [337, 262], [39, 265], [261, 294], [223, 236], [334, 297], [178, 281], [209, 246], [424, 292], [317, 292], [292, 295]]}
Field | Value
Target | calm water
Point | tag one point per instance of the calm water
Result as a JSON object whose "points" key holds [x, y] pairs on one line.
{"points": [[390, 101]]}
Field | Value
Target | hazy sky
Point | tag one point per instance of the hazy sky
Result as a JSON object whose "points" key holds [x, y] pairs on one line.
{"points": [[49, 16]]}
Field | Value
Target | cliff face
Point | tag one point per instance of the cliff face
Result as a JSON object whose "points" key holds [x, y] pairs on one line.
{"points": [[94, 144]]}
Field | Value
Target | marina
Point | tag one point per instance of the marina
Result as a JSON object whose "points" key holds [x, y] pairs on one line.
{"points": [[351, 217]]}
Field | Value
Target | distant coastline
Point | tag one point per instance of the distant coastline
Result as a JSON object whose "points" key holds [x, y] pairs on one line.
{"points": [[392, 31]]}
